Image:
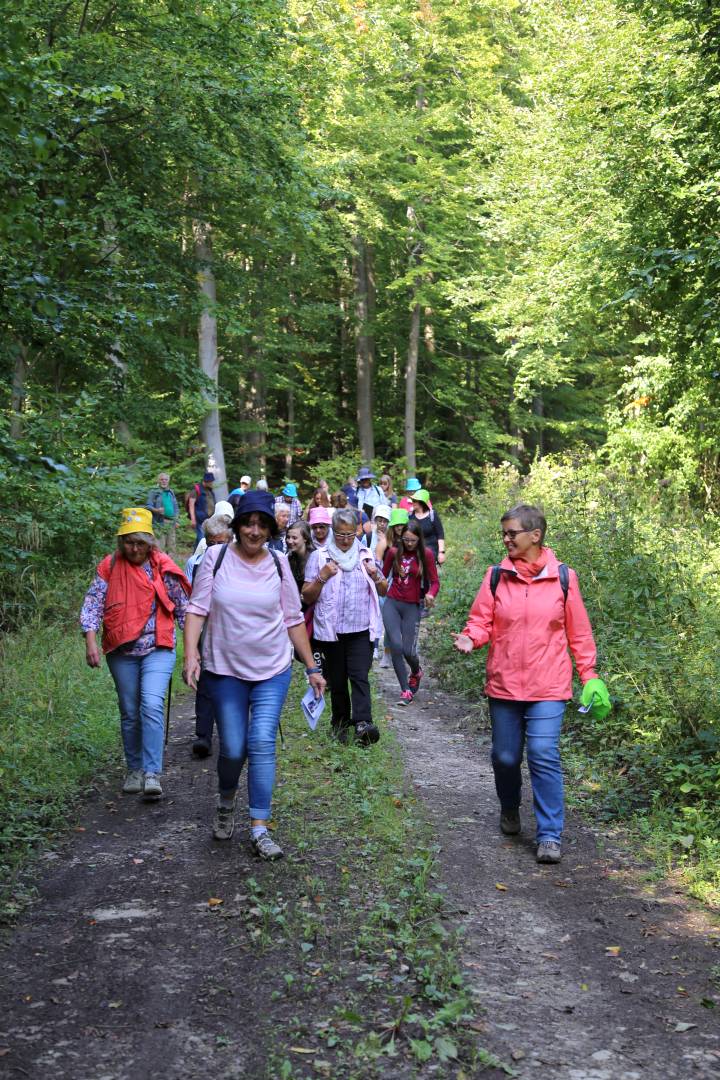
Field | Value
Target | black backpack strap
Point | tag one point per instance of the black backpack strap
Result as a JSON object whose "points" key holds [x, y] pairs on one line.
{"points": [[494, 579], [275, 559], [564, 575], [221, 556]]}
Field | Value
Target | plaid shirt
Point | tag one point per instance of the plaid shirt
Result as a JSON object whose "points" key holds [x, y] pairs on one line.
{"points": [[293, 506], [348, 602]]}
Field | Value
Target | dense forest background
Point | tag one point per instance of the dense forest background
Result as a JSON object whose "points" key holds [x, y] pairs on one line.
{"points": [[437, 235]]}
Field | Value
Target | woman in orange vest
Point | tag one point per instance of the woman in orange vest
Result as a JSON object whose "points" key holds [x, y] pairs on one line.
{"points": [[137, 594]]}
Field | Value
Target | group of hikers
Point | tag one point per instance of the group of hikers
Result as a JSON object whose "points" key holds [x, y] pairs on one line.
{"points": [[334, 584]]}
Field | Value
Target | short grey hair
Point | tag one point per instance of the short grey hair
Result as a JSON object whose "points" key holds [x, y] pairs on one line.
{"points": [[215, 525], [530, 517], [147, 537], [344, 517], [261, 485]]}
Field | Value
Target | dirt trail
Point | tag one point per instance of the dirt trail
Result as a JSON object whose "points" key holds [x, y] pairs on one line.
{"points": [[584, 971], [123, 970]]}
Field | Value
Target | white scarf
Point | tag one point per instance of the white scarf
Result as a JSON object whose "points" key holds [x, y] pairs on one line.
{"points": [[346, 560]]}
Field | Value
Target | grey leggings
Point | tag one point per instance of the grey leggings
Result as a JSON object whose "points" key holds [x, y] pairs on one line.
{"points": [[402, 626]]}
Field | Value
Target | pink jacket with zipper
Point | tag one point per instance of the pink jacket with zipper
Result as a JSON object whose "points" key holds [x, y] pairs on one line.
{"points": [[530, 627]]}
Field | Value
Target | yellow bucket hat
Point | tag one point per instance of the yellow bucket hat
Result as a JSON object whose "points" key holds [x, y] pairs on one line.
{"points": [[135, 519]]}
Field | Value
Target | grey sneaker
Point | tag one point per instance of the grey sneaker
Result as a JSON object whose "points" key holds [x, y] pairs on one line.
{"points": [[385, 660], [549, 851], [151, 786], [510, 822], [265, 847], [224, 822], [133, 782]]}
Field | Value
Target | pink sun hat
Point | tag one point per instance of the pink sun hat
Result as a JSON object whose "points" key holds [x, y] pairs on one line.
{"points": [[319, 515]]}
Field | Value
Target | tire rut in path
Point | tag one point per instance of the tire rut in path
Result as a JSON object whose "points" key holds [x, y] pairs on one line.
{"points": [[584, 972]]}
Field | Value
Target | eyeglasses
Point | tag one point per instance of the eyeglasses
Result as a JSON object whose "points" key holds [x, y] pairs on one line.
{"points": [[135, 543], [344, 536], [512, 533]]}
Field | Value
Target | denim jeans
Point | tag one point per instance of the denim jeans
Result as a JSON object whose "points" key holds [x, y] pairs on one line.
{"points": [[538, 723], [247, 716], [141, 683]]}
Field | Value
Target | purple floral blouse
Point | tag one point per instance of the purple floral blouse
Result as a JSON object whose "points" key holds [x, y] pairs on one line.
{"points": [[93, 609]]}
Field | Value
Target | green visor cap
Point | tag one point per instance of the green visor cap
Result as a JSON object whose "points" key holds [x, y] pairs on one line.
{"points": [[422, 495], [399, 517]]}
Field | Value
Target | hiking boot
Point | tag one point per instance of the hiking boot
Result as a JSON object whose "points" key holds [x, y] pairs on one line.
{"points": [[366, 733], [151, 786], [549, 851], [265, 847], [202, 747], [405, 698], [133, 782], [510, 822], [224, 822], [414, 680]]}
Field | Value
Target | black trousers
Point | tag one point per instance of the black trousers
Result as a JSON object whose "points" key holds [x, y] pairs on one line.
{"points": [[204, 711], [348, 659]]}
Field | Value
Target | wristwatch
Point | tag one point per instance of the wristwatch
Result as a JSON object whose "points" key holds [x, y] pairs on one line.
{"points": [[313, 671]]}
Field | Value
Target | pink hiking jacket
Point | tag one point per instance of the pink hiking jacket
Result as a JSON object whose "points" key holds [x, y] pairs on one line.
{"points": [[530, 627]]}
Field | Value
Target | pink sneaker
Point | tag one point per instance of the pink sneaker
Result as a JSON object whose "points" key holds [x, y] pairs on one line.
{"points": [[414, 681], [406, 698]]}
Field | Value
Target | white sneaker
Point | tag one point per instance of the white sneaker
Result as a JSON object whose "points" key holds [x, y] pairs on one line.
{"points": [[133, 782], [385, 660], [151, 786]]}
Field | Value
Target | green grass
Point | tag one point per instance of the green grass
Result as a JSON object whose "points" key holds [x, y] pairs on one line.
{"points": [[60, 728]]}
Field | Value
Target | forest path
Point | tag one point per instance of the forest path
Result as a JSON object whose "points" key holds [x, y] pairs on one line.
{"points": [[125, 968], [584, 971]]}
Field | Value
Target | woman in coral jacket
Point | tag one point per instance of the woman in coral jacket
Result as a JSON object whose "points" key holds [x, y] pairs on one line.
{"points": [[530, 624], [136, 596]]}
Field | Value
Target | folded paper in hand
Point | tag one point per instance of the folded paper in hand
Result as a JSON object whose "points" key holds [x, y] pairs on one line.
{"points": [[312, 707]]}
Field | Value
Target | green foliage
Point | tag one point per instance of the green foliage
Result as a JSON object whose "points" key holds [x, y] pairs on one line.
{"points": [[649, 577]]}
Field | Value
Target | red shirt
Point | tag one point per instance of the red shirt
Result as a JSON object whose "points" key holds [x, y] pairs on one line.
{"points": [[406, 586]]}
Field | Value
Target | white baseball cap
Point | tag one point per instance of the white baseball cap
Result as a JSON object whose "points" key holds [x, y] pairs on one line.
{"points": [[245, 480]]}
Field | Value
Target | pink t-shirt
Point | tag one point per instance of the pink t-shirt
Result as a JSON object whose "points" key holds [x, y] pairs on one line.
{"points": [[249, 610]]}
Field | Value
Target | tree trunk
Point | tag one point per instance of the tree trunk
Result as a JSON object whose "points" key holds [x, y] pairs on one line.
{"points": [[364, 345], [290, 433], [254, 416], [411, 370], [17, 400], [538, 408], [209, 358]]}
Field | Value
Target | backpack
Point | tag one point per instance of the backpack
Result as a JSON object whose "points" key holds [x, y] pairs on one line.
{"points": [[563, 574], [221, 556], [193, 493]]}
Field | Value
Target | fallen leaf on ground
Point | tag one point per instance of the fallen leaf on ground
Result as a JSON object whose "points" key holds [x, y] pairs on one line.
{"points": [[500, 887], [562, 884], [613, 950], [682, 1026], [138, 862], [215, 901], [114, 1004], [517, 1055], [302, 1050]]}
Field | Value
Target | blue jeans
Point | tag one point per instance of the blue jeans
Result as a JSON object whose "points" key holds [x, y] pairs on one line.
{"points": [[538, 722], [141, 683], [247, 716]]}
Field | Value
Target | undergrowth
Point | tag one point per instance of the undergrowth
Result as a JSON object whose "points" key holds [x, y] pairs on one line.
{"points": [[649, 574]]}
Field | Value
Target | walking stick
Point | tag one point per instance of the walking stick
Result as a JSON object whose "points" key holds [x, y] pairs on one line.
{"points": [[167, 712]]}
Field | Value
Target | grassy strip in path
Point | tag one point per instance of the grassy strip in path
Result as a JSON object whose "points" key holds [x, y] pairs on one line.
{"points": [[372, 985]]}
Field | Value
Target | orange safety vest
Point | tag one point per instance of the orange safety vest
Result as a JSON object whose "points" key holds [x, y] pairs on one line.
{"points": [[129, 600]]}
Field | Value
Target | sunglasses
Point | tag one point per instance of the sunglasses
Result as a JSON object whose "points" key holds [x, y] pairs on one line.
{"points": [[512, 533]]}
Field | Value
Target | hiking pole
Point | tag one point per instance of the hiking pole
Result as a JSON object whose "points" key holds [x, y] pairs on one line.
{"points": [[167, 712]]}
